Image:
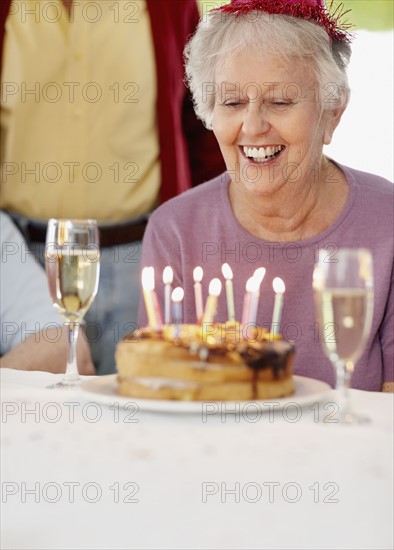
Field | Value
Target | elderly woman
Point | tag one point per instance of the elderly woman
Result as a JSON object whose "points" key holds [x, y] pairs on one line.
{"points": [[269, 78]]}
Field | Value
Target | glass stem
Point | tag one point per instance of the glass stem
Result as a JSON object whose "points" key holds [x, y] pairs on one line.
{"points": [[349, 368], [71, 374], [344, 375], [340, 371]]}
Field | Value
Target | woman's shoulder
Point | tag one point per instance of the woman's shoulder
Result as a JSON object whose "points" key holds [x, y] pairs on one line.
{"points": [[373, 196], [368, 182]]}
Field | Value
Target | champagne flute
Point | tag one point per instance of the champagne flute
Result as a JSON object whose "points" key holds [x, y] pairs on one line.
{"points": [[343, 291], [72, 261]]}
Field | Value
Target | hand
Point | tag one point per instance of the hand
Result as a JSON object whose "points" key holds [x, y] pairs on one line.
{"points": [[388, 387], [47, 351]]}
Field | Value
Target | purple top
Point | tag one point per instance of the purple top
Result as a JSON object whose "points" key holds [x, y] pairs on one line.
{"points": [[199, 228]]}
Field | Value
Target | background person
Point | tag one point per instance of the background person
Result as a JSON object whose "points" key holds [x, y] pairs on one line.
{"points": [[96, 122], [32, 332]]}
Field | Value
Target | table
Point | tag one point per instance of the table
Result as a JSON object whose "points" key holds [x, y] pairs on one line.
{"points": [[79, 474]]}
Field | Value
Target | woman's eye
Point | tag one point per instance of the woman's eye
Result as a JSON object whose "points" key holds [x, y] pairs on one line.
{"points": [[281, 103]]}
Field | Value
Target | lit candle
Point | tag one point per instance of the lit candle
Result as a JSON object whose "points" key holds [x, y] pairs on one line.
{"points": [[215, 288], [150, 298], [250, 299], [258, 276], [197, 276], [168, 277], [177, 297], [228, 275], [279, 289]]}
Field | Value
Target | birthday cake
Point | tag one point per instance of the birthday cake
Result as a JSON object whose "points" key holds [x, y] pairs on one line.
{"points": [[216, 362]]}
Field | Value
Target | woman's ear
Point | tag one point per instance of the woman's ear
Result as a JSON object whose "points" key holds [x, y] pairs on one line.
{"points": [[334, 115], [333, 118]]}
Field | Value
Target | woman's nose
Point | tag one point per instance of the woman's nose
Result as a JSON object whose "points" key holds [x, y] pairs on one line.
{"points": [[255, 120]]}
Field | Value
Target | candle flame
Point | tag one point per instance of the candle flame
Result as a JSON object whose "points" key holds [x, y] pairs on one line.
{"points": [[168, 275], [197, 274], [177, 294], [252, 284], [148, 278], [318, 278], [259, 274], [278, 285], [227, 271], [215, 287]]}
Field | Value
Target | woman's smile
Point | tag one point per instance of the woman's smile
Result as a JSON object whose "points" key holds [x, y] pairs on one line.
{"points": [[261, 154]]}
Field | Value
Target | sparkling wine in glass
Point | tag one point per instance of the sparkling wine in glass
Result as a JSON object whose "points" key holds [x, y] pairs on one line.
{"points": [[343, 291], [72, 261]]}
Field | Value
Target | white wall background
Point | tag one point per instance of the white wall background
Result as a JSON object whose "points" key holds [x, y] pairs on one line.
{"points": [[364, 138]]}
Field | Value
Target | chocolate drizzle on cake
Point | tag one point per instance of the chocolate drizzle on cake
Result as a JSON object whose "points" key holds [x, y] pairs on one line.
{"points": [[264, 355]]}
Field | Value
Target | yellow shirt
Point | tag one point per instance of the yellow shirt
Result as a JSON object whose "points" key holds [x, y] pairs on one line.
{"points": [[78, 111]]}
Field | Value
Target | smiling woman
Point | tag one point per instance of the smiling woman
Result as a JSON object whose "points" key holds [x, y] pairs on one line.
{"points": [[271, 136], [277, 93], [269, 78]]}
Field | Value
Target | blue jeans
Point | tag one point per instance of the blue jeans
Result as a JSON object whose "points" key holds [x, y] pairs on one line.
{"points": [[113, 313]]}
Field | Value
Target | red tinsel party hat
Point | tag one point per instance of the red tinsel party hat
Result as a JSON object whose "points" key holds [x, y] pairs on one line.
{"points": [[314, 10]]}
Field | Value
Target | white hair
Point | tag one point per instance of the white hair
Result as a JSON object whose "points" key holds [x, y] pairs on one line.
{"points": [[220, 35]]}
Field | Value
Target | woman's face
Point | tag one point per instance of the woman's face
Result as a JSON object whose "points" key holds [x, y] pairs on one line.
{"points": [[269, 123]]}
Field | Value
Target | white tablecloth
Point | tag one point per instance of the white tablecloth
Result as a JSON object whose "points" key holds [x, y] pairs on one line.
{"points": [[79, 474]]}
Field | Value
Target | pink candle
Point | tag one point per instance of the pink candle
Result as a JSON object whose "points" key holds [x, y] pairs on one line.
{"points": [[251, 288]]}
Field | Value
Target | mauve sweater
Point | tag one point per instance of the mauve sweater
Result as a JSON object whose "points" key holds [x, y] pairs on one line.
{"points": [[199, 228]]}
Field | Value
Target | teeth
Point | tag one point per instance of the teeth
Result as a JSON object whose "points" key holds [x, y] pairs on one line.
{"points": [[261, 152]]}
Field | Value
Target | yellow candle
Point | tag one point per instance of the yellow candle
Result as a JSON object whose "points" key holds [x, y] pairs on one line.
{"points": [[215, 288], [197, 276], [150, 298]]}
